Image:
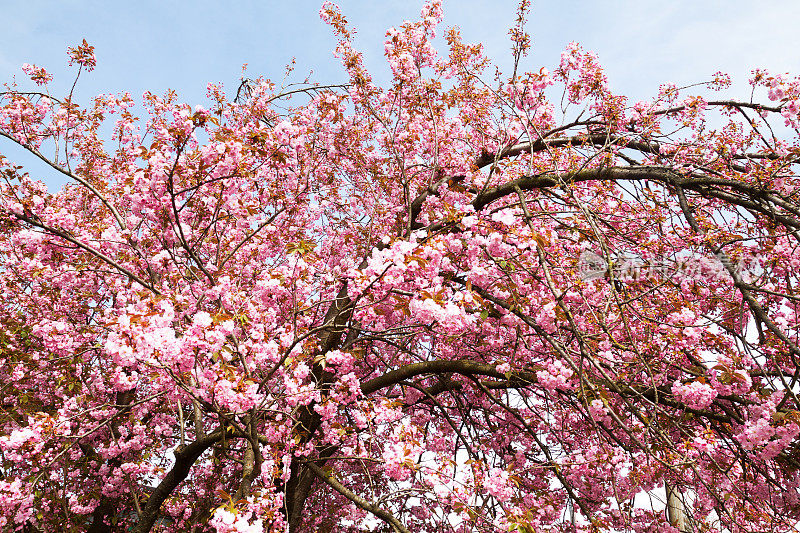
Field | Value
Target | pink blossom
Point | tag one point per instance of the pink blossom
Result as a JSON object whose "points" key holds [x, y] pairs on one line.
{"points": [[695, 394]]}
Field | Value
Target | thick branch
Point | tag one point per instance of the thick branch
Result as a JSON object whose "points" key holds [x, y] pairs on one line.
{"points": [[463, 367], [707, 185], [360, 502], [184, 459]]}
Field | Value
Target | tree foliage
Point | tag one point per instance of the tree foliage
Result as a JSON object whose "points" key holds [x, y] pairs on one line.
{"points": [[464, 301]]}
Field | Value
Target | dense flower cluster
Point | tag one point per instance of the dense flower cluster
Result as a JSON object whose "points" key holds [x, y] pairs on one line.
{"points": [[321, 308]]}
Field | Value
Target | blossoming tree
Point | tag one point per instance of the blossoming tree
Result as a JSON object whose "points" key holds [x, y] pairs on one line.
{"points": [[465, 301]]}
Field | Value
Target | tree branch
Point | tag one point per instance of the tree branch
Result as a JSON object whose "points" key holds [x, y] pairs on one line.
{"points": [[185, 456], [360, 502], [66, 236]]}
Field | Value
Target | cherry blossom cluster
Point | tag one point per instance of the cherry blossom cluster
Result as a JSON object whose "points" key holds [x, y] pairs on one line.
{"points": [[316, 308]]}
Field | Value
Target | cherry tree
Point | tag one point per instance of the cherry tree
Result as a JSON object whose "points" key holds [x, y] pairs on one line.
{"points": [[464, 301]]}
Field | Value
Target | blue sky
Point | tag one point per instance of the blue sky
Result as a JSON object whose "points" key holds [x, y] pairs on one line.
{"points": [[155, 45]]}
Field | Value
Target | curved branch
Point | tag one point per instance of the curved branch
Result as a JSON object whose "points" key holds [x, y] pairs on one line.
{"points": [[185, 456], [360, 502], [539, 145], [665, 175], [458, 366], [67, 237], [117, 217]]}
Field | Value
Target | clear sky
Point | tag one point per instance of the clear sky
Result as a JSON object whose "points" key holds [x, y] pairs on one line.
{"points": [[183, 45]]}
